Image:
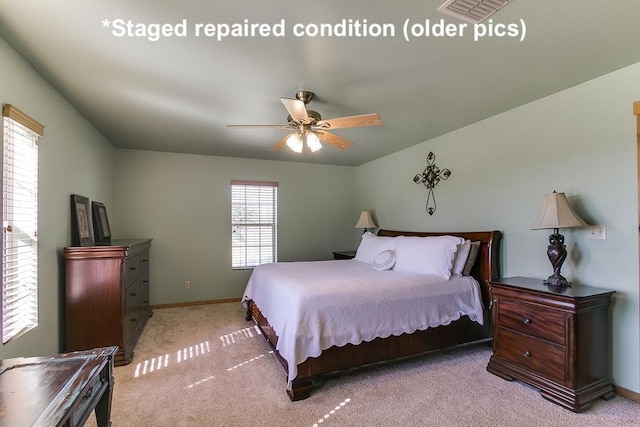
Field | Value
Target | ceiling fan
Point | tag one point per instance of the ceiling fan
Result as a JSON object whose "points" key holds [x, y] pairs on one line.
{"points": [[308, 128]]}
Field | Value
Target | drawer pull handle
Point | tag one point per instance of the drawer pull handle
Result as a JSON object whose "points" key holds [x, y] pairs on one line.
{"points": [[89, 393], [527, 321], [527, 354], [133, 294], [132, 268]]}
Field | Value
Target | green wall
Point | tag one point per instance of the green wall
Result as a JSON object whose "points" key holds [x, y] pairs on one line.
{"points": [[581, 141], [73, 158], [183, 202]]}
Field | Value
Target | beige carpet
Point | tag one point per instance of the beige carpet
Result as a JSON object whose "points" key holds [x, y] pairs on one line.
{"points": [[207, 366]]}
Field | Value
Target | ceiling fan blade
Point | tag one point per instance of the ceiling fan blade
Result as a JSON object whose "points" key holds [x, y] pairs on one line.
{"points": [[282, 127], [372, 119], [333, 139], [280, 144], [297, 110]]}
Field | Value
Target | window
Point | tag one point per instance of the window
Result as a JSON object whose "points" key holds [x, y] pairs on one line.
{"points": [[254, 223], [19, 222]]}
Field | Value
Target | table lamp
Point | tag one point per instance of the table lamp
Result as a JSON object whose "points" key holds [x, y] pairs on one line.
{"points": [[556, 214], [365, 221]]}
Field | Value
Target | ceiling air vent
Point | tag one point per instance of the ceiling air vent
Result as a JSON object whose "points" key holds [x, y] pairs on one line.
{"points": [[473, 11]]}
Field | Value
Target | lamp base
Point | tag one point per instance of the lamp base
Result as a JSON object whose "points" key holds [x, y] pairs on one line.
{"points": [[557, 281], [557, 253]]}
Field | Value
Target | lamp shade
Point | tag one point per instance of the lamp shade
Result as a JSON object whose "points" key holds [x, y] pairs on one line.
{"points": [[313, 142], [365, 220], [556, 213], [294, 142]]}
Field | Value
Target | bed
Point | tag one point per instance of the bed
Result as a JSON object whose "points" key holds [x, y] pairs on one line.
{"points": [[282, 299]]}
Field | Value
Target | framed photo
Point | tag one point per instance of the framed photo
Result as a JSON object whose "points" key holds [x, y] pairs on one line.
{"points": [[101, 222], [81, 225]]}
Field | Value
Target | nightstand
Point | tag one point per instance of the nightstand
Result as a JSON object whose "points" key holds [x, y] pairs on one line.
{"points": [[557, 341], [344, 255]]}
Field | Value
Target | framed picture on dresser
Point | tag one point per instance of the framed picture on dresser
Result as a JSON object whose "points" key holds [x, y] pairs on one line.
{"points": [[81, 224], [101, 222]]}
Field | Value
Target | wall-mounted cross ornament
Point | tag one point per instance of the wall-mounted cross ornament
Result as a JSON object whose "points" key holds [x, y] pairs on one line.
{"points": [[430, 177]]}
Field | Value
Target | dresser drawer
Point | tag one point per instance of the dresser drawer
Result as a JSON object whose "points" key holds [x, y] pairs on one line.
{"points": [[144, 292], [538, 356], [534, 320], [144, 262], [131, 269], [132, 309]]}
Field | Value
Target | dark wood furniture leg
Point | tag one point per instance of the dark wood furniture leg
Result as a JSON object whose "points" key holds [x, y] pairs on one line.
{"points": [[103, 408], [300, 389]]}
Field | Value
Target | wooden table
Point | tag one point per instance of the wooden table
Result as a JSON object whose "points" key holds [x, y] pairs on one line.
{"points": [[60, 390]]}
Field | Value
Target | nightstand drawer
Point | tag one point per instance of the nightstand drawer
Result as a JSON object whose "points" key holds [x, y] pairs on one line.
{"points": [[541, 357], [533, 320]]}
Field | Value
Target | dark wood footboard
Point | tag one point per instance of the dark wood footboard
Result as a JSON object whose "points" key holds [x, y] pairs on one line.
{"points": [[337, 360], [350, 357]]}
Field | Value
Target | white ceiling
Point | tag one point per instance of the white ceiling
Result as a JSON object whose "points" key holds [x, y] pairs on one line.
{"points": [[178, 93]]}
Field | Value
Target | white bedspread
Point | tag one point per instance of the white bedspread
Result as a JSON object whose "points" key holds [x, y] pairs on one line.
{"points": [[315, 305]]}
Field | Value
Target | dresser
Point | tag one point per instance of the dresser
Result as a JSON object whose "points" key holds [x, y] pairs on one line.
{"points": [[107, 296], [557, 340], [60, 390]]}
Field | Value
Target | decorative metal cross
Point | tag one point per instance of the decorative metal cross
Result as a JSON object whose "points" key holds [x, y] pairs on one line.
{"points": [[430, 177]]}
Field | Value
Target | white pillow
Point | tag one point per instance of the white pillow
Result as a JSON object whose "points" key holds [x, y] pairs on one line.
{"points": [[371, 246], [460, 258], [427, 255], [385, 260]]}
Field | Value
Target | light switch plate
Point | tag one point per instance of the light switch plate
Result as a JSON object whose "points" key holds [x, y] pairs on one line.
{"points": [[597, 232]]}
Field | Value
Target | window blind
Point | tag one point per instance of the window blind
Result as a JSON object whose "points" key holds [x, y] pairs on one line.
{"points": [[19, 222], [254, 219]]}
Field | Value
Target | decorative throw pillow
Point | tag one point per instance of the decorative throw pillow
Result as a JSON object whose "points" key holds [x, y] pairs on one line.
{"points": [[426, 255], [385, 260], [471, 259], [460, 258], [371, 245]]}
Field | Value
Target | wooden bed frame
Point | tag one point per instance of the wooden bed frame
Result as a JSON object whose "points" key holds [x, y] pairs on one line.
{"points": [[350, 357]]}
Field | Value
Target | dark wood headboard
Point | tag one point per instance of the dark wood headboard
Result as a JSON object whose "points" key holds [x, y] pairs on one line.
{"points": [[487, 265]]}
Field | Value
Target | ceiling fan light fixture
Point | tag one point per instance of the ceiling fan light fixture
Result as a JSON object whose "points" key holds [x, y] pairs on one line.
{"points": [[294, 142], [306, 127], [313, 142]]}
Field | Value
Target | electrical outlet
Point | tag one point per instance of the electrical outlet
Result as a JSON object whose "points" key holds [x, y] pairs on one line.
{"points": [[597, 232], [187, 284]]}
